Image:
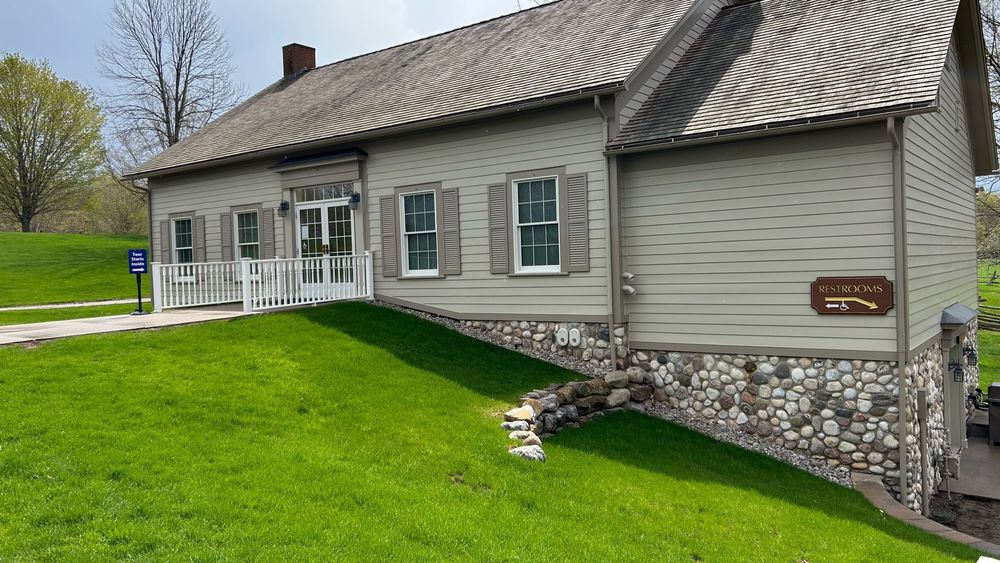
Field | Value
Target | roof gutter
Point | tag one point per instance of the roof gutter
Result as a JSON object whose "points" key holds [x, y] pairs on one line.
{"points": [[453, 119], [771, 129]]}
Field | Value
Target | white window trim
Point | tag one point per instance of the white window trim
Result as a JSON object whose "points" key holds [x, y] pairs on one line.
{"points": [[173, 239], [404, 249], [236, 232], [518, 268]]}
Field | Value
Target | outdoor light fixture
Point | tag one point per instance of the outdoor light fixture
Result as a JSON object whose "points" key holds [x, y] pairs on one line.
{"points": [[970, 354], [957, 372], [355, 200], [283, 208]]}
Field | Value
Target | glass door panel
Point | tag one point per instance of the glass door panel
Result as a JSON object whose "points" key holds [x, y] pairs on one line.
{"points": [[311, 241], [340, 237]]}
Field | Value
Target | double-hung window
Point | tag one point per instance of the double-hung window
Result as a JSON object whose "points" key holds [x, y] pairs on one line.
{"points": [[183, 241], [247, 234], [419, 221], [536, 225]]}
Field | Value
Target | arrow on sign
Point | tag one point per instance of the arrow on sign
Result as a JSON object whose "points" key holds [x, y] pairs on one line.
{"points": [[869, 304]]}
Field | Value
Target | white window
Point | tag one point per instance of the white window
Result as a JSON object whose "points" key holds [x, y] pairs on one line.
{"points": [[419, 219], [247, 235], [536, 225], [183, 241]]}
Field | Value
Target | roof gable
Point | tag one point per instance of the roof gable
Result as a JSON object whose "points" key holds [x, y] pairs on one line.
{"points": [[774, 62], [562, 47]]}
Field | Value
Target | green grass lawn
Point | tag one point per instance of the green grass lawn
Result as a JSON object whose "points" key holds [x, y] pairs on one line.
{"points": [[355, 433], [45, 315], [59, 268], [989, 342]]}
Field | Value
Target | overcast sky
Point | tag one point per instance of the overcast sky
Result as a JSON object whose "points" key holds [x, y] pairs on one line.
{"points": [[68, 32]]}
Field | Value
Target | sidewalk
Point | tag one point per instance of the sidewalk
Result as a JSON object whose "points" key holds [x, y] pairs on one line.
{"points": [[13, 334], [70, 305]]}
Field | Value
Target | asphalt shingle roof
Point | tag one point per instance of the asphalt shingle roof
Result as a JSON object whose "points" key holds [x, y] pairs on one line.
{"points": [[554, 49], [778, 61]]}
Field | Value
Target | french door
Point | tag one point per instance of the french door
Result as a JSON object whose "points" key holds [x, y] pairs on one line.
{"points": [[326, 230]]}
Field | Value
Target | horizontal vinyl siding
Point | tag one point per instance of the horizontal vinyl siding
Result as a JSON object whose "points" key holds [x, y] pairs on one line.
{"points": [[724, 241], [470, 158], [212, 193], [940, 210]]}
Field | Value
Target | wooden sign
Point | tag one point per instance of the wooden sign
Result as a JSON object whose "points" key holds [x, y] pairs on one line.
{"points": [[852, 296]]}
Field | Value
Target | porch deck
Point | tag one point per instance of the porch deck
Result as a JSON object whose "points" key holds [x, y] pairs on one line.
{"points": [[263, 285], [980, 467]]}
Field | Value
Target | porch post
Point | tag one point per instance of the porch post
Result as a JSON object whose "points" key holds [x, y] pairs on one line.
{"points": [[369, 275], [154, 281], [245, 285]]}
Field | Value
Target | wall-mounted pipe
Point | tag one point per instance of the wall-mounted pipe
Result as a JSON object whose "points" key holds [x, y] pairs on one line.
{"points": [[609, 240], [895, 130]]}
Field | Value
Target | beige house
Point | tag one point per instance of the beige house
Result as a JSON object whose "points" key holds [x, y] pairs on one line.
{"points": [[650, 185]]}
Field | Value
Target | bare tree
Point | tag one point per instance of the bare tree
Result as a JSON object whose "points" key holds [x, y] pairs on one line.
{"points": [[525, 4], [172, 68]]}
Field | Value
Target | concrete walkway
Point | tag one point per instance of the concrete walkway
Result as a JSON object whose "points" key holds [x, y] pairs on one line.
{"points": [[14, 334], [69, 305], [871, 487]]}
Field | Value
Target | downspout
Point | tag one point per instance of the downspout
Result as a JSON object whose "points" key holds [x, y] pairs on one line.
{"points": [[608, 226], [894, 126], [149, 220]]}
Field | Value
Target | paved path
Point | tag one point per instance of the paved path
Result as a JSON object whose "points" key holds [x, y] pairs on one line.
{"points": [[13, 334], [70, 305], [871, 487]]}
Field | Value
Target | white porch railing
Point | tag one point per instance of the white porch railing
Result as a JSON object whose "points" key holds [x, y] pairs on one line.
{"points": [[262, 285]]}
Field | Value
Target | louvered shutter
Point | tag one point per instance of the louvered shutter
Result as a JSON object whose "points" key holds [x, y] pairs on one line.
{"points": [[450, 228], [199, 239], [266, 233], [498, 225], [226, 236], [165, 242], [577, 227], [390, 244]]}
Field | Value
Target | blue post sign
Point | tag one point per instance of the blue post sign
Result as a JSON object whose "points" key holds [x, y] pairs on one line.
{"points": [[137, 261], [138, 265]]}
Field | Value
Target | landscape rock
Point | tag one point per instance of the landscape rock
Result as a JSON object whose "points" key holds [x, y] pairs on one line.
{"points": [[530, 453], [522, 414]]}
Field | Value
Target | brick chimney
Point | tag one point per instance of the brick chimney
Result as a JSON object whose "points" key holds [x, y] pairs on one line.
{"points": [[297, 58]]}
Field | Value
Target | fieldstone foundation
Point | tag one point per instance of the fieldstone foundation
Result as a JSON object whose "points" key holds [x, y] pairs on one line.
{"points": [[841, 410], [588, 342]]}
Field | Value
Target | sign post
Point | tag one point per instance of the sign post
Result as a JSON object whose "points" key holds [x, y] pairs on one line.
{"points": [[138, 265]]}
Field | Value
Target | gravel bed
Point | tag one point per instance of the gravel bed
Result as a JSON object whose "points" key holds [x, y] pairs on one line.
{"points": [[722, 433], [570, 363], [713, 430]]}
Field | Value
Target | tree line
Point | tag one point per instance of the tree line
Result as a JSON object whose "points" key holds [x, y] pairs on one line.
{"points": [[64, 148]]}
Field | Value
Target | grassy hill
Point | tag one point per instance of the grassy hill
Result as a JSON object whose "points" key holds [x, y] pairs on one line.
{"points": [[58, 268], [356, 433]]}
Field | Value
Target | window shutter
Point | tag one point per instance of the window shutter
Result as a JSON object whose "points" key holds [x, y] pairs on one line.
{"points": [[165, 243], [450, 228], [390, 244], [226, 235], [498, 225], [199, 239], [266, 233], [577, 227]]}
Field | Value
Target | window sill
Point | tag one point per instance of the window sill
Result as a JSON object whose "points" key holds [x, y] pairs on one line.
{"points": [[421, 277], [536, 274]]}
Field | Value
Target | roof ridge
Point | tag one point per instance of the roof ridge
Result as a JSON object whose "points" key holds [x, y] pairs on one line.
{"points": [[441, 33]]}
